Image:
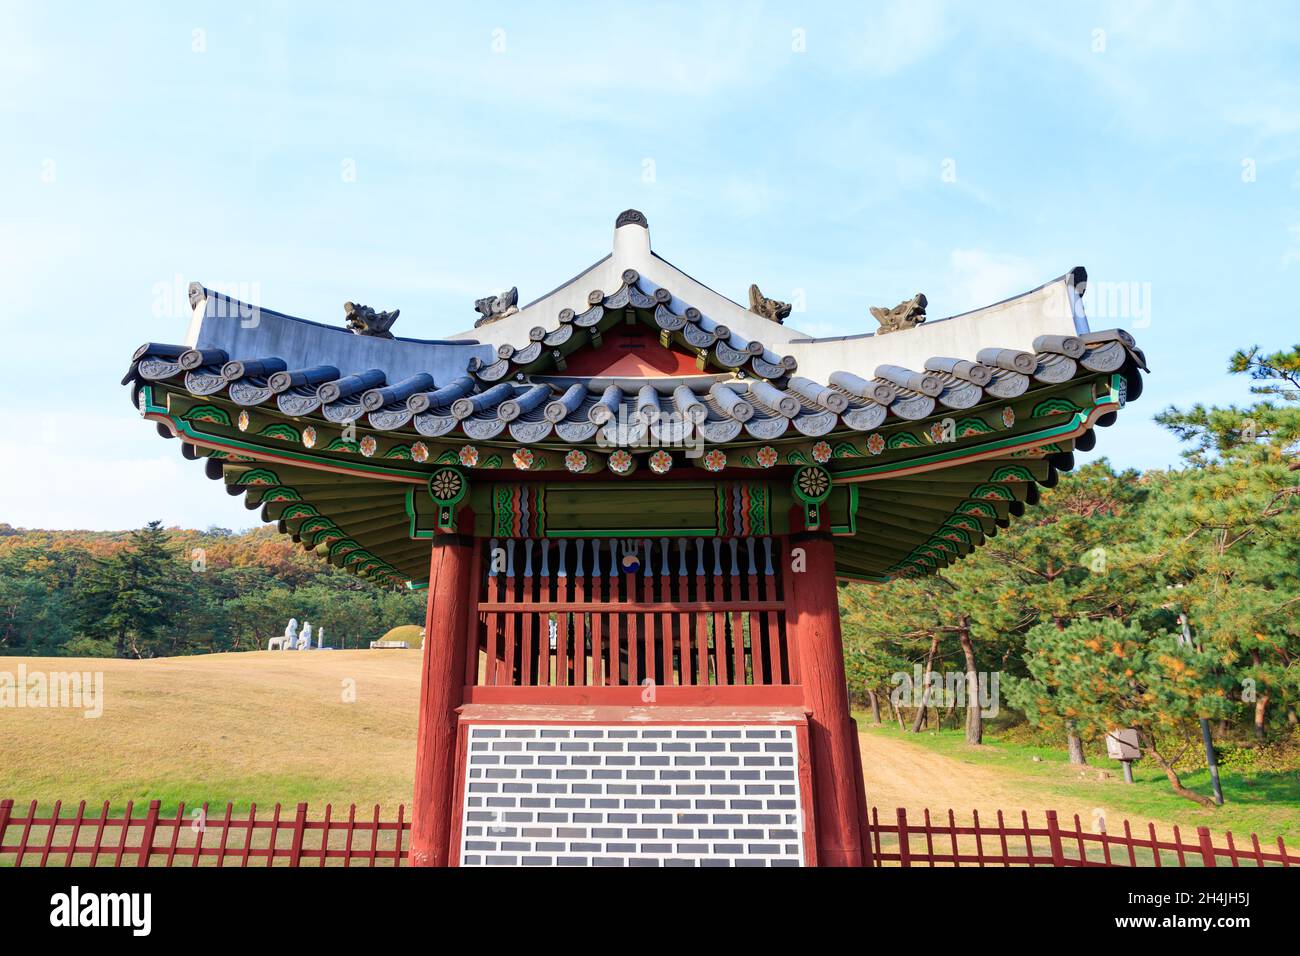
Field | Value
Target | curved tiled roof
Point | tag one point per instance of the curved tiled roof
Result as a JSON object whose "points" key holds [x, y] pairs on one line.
{"points": [[932, 437], [511, 396]]}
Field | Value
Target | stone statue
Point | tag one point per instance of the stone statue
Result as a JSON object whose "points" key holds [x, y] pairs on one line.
{"points": [[364, 320], [494, 307], [905, 315], [304, 639], [772, 309], [320, 638], [287, 640]]}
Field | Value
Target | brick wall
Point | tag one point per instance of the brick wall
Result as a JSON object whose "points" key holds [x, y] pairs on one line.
{"points": [[632, 796]]}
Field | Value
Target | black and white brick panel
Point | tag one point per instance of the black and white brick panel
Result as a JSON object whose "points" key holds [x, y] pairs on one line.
{"points": [[632, 796]]}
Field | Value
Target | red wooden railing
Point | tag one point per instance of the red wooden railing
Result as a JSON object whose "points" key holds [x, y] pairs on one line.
{"points": [[75, 839], [32, 838], [693, 612], [927, 842]]}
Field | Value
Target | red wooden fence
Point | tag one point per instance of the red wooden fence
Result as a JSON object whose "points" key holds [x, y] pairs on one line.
{"points": [[59, 839], [75, 839], [904, 842]]}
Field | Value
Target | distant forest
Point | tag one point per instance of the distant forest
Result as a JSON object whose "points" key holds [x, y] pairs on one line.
{"points": [[160, 592]]}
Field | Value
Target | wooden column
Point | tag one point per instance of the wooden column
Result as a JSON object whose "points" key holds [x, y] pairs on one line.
{"points": [[451, 581], [813, 610]]}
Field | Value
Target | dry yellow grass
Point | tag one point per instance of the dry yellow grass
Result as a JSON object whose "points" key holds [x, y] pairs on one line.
{"points": [[255, 727]]}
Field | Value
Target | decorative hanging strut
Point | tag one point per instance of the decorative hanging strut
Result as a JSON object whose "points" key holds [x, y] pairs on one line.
{"points": [[812, 486]]}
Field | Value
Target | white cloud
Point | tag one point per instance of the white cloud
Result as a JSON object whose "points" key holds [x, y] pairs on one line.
{"points": [[901, 34], [979, 278]]}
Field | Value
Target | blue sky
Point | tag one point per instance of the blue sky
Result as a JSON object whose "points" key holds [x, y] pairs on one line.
{"points": [[857, 153]]}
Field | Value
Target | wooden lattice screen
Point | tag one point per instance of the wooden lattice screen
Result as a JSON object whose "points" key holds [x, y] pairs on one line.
{"points": [[627, 611]]}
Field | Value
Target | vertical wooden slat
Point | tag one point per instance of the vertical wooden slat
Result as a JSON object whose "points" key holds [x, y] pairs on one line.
{"points": [[202, 831], [929, 839], [49, 837], [647, 621], [76, 829], [904, 848], [1002, 840], [579, 621], [1128, 841], [126, 829], [27, 829], [476, 619], [979, 839], [249, 830], [374, 838], [561, 622], [632, 622], [398, 854], [176, 832], [1207, 847], [528, 621], [737, 648], [512, 617], [325, 833], [1155, 846], [952, 836], [685, 665], [496, 591], [1029, 840], [598, 670], [6, 811], [875, 830], [1178, 843], [225, 835], [1078, 838], [347, 844], [299, 831], [1259, 854], [759, 667], [1054, 839], [275, 832]]}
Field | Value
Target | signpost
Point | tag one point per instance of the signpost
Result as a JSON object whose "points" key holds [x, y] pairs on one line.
{"points": [[1122, 745]]}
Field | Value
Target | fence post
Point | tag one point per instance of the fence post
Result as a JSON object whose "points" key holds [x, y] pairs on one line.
{"points": [[1207, 846], [7, 810], [904, 848], [1054, 839], [299, 829], [146, 839]]}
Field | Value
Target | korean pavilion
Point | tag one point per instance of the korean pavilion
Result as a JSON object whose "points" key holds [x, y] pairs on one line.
{"points": [[630, 502]]}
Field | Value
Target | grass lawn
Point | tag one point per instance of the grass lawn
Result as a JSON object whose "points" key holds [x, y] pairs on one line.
{"points": [[1266, 803]]}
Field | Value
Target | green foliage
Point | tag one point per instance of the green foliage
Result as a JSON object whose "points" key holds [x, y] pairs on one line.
{"points": [[157, 592], [1105, 673], [1121, 559]]}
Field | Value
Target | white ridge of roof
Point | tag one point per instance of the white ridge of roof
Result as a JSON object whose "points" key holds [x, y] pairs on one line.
{"points": [[1054, 308]]}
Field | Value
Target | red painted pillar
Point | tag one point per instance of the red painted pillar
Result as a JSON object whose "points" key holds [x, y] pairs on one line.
{"points": [[451, 579], [813, 607]]}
